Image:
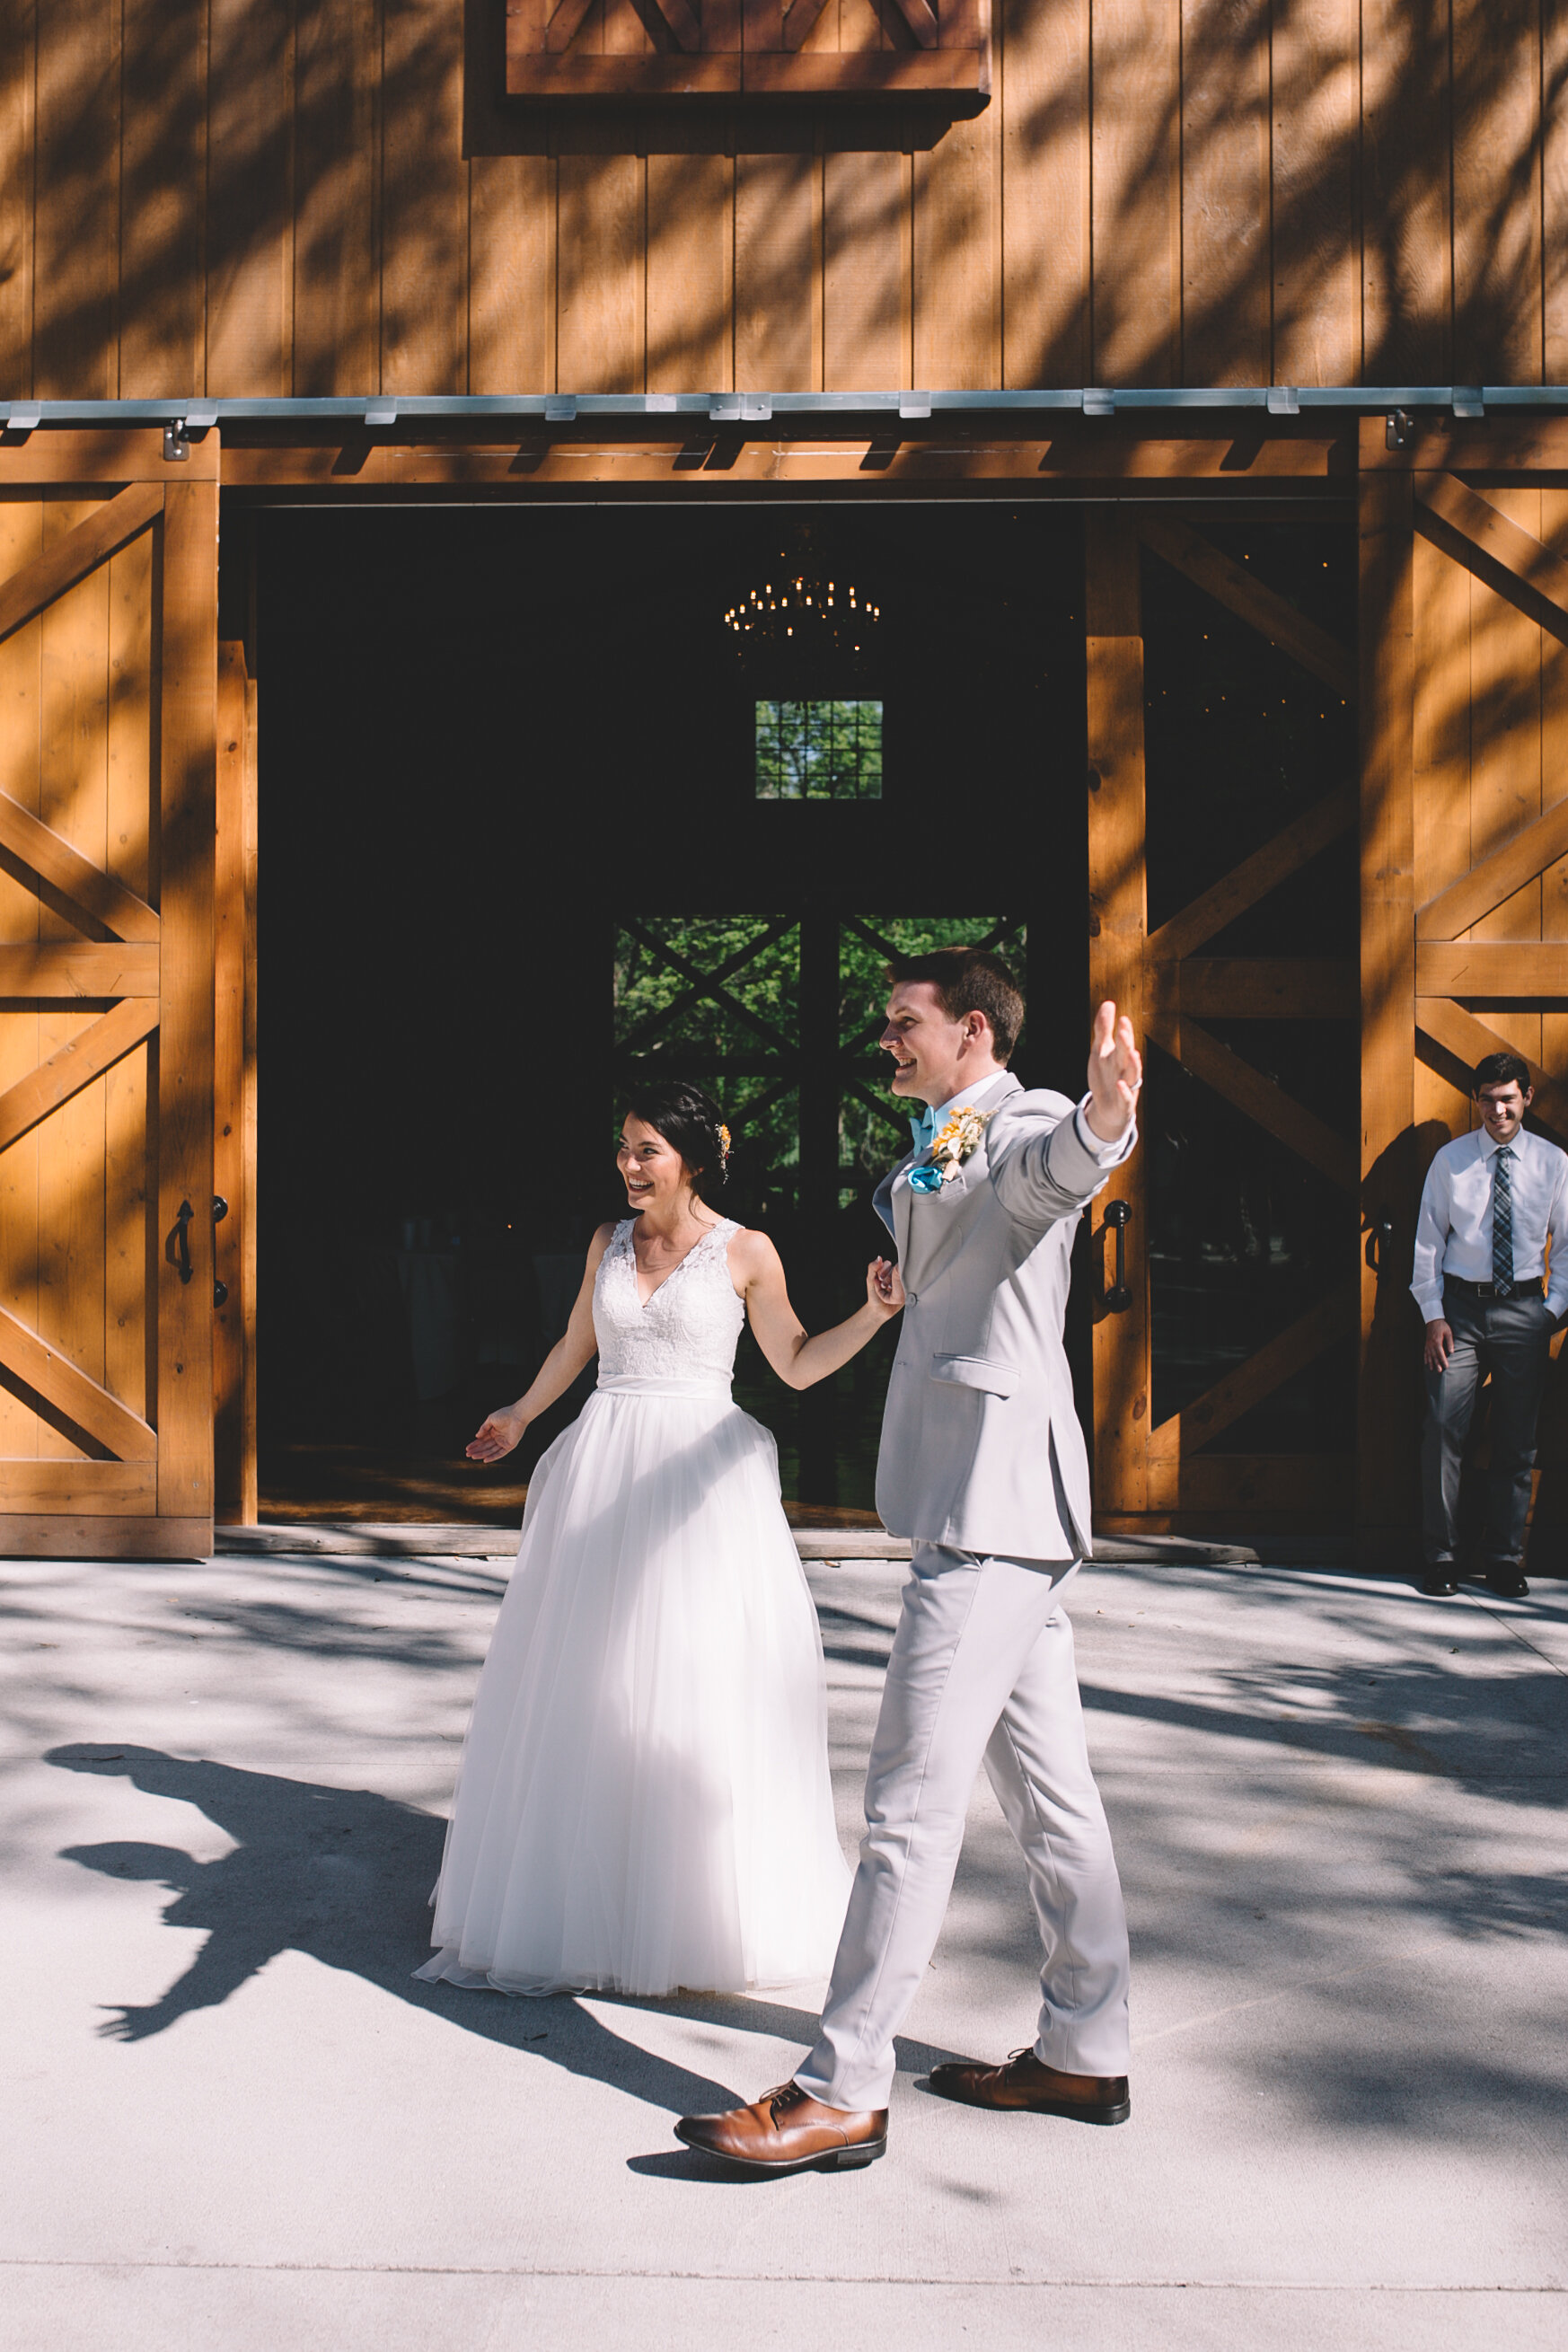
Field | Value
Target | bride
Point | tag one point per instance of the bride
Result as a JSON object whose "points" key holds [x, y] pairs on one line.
{"points": [[643, 1802]]}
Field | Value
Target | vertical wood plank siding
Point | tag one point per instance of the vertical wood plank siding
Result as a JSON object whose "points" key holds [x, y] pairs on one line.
{"points": [[310, 196]]}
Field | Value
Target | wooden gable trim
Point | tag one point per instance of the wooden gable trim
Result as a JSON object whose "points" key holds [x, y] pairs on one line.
{"points": [[799, 19], [920, 18], [564, 24]]}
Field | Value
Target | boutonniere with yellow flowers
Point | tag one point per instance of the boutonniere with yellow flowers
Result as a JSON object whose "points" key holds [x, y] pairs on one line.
{"points": [[951, 1146]]}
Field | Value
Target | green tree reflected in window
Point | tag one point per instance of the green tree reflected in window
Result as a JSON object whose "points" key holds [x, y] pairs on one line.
{"points": [[819, 750]]}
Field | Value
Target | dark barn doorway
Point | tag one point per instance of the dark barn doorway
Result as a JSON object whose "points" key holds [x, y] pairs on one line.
{"points": [[535, 811]]}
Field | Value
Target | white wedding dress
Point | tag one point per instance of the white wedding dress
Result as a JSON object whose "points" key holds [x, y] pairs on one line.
{"points": [[643, 1800]]}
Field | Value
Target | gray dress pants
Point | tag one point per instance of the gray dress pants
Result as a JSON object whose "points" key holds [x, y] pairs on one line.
{"points": [[1509, 1339], [982, 1667]]}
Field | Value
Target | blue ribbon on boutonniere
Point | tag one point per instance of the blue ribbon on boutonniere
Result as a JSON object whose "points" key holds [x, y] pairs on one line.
{"points": [[952, 1144]]}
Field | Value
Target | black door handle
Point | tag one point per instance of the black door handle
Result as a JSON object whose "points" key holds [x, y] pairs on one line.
{"points": [[1119, 1215], [1377, 1240], [177, 1248]]}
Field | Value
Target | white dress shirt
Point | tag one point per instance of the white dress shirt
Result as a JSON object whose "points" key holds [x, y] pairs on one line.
{"points": [[1454, 1231]]}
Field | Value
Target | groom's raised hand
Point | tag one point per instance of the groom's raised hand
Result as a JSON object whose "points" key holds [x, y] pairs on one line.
{"points": [[1115, 1074]]}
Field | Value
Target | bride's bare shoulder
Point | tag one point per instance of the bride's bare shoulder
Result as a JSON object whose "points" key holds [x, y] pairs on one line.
{"points": [[751, 1253]]}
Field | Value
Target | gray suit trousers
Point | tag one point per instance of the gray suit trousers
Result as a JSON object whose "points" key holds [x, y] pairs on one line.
{"points": [[982, 1667], [1510, 1338]]}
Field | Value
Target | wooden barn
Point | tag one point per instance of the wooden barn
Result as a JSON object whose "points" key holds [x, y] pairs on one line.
{"points": [[417, 417]]}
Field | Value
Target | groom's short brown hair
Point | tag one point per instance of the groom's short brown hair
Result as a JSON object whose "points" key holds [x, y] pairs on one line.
{"points": [[969, 980]]}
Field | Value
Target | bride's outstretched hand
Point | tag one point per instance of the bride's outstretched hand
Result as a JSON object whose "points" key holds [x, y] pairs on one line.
{"points": [[499, 1435], [883, 1287]]}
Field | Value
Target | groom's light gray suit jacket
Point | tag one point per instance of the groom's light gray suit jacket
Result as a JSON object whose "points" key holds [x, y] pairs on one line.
{"points": [[980, 1395]]}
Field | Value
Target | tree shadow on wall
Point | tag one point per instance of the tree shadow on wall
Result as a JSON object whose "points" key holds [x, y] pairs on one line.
{"points": [[313, 200]]}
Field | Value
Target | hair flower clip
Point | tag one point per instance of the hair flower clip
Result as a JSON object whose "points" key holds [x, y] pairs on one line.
{"points": [[723, 1152]]}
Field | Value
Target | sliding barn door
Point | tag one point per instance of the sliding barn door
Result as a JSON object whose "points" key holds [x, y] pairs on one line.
{"points": [[108, 691], [1223, 1256], [1465, 878]]}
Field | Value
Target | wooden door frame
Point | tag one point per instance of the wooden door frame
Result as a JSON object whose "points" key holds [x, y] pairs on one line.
{"points": [[1160, 1478], [234, 1133], [140, 489], [1387, 1406]]}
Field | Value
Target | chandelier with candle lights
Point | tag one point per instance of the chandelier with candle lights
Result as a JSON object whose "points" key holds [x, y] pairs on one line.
{"points": [[806, 602]]}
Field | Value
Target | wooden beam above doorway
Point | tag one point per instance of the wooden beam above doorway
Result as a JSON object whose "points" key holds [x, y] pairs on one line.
{"points": [[698, 458]]}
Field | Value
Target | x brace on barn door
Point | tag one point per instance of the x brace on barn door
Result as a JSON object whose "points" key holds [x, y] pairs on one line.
{"points": [[107, 669], [1451, 968], [1168, 988]]}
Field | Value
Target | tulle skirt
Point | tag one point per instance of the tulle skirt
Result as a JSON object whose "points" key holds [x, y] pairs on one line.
{"points": [[643, 1800]]}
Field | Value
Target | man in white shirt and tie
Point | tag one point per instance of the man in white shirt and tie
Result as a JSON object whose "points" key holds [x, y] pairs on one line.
{"points": [[1491, 1200]]}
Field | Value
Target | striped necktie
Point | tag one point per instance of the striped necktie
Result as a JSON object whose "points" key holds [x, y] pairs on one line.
{"points": [[1502, 1223]]}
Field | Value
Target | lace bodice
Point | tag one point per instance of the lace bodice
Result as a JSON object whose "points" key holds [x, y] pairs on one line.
{"points": [[688, 1330]]}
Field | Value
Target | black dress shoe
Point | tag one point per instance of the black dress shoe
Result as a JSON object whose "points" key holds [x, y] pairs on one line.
{"points": [[1507, 1583], [1438, 1584]]}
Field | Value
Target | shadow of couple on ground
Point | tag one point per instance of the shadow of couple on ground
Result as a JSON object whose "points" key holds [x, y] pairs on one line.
{"points": [[343, 1875]]}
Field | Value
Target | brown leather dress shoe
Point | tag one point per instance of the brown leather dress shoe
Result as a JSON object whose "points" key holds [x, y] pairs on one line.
{"points": [[1038, 2090], [786, 2130]]}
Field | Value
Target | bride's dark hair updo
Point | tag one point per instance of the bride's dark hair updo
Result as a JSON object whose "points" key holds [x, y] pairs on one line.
{"points": [[690, 1123]]}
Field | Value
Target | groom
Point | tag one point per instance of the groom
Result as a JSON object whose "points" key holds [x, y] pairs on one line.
{"points": [[982, 1466]]}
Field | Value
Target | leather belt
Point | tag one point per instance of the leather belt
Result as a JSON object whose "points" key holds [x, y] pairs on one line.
{"points": [[1532, 1286]]}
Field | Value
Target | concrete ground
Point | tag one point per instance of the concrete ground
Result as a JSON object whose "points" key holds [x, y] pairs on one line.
{"points": [[233, 2120]]}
